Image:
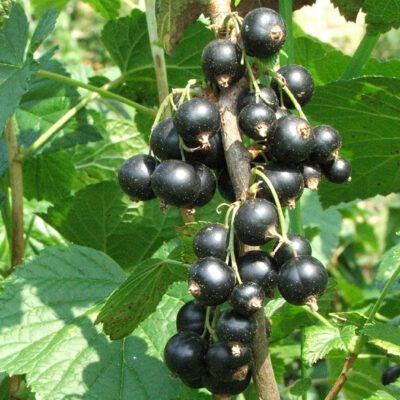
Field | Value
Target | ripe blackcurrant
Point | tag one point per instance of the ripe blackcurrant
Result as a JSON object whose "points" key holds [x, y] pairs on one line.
{"points": [[228, 363], [327, 144], [211, 281], [285, 251], [193, 383], [212, 241], [225, 187], [164, 141], [312, 175], [135, 177], [263, 32], [256, 222], [267, 97], [196, 121], [233, 327], [216, 386], [281, 112], [185, 354], [207, 185], [259, 267], [257, 121], [292, 141], [176, 182], [247, 298], [338, 171], [299, 81], [302, 280], [221, 62], [390, 375], [287, 181], [191, 318]]}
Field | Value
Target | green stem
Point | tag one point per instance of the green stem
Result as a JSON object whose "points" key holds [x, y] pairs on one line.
{"points": [[286, 11], [318, 316], [303, 364], [232, 245], [361, 56], [102, 92]]}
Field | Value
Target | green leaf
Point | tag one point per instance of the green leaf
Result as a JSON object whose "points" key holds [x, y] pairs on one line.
{"points": [[2, 198], [364, 110], [388, 263], [41, 6], [139, 295], [320, 340], [382, 15], [109, 9], [4, 386], [384, 336], [301, 386], [44, 28], [390, 68], [350, 318], [348, 8]]}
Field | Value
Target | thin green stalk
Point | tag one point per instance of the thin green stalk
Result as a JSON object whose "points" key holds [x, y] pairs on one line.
{"points": [[361, 56], [102, 92], [286, 11], [232, 245], [318, 316]]}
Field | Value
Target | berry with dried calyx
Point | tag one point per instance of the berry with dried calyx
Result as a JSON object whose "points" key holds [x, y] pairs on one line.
{"points": [[247, 298], [257, 121], [338, 171], [267, 97], [312, 175], [212, 241]]}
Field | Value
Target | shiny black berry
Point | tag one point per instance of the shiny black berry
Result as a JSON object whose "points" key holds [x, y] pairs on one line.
{"points": [[135, 177], [212, 241], [390, 375], [256, 222], [233, 327], [207, 185], [302, 280], [299, 81], [196, 121], [191, 318], [176, 183], [338, 171], [268, 96], [216, 386], [225, 187], [193, 383], [228, 363], [287, 181], [327, 144], [281, 112], [247, 298], [263, 32], [259, 267], [292, 141], [164, 141], [285, 251], [312, 175], [257, 121], [211, 281], [185, 354], [221, 62]]}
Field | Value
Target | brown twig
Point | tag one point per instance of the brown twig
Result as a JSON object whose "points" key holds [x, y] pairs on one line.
{"points": [[342, 377]]}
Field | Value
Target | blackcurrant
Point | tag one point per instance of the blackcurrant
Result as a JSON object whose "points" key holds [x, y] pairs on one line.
{"points": [[212, 241], [257, 121], [211, 281], [247, 298], [185, 354], [233, 327], [216, 386], [228, 363], [299, 81], [176, 183], [327, 144], [390, 375], [263, 32], [312, 175], [259, 267], [256, 222], [225, 187], [164, 141], [191, 317], [268, 96], [221, 62], [196, 121], [135, 177], [285, 251], [207, 185], [287, 181], [193, 383], [292, 141], [281, 112], [338, 171], [302, 280]]}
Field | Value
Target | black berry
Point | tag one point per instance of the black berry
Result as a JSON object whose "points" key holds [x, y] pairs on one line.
{"points": [[390, 375], [207, 185], [257, 121], [263, 32], [285, 251], [221, 62], [212, 241], [225, 187], [247, 298], [193, 383], [256, 222], [299, 81], [338, 171], [191, 318], [176, 182], [268, 96], [281, 112], [327, 144], [164, 141], [196, 121], [312, 175], [216, 386], [302, 280], [211, 281], [135, 177]]}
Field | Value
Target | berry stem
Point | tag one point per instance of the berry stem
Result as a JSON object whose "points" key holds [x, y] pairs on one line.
{"points": [[317, 315], [232, 245], [209, 327]]}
